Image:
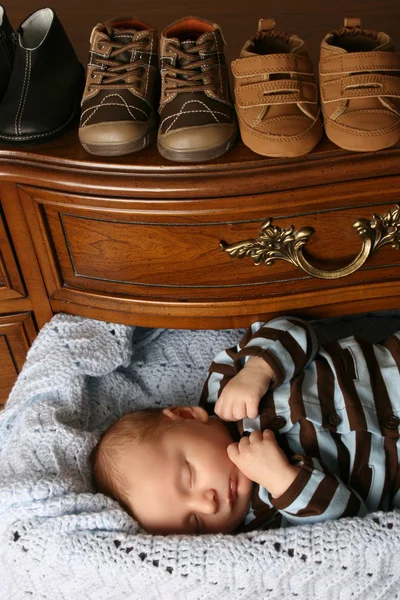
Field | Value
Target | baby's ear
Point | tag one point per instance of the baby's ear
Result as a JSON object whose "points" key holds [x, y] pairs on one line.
{"points": [[180, 413]]}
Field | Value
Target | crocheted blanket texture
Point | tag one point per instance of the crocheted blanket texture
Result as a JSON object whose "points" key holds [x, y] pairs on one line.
{"points": [[59, 540]]}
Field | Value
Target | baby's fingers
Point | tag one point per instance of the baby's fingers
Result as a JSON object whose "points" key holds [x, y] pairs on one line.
{"points": [[223, 409], [230, 409], [233, 451], [252, 408], [239, 410]]}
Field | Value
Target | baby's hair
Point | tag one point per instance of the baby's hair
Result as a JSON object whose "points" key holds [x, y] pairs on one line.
{"points": [[148, 424]]}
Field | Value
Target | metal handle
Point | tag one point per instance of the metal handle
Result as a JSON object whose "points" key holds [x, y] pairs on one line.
{"points": [[287, 244]]}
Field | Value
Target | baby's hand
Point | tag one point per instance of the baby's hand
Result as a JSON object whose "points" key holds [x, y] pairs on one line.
{"points": [[260, 458], [242, 394]]}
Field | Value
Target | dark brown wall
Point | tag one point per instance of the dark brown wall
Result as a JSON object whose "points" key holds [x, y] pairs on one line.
{"points": [[311, 19]]}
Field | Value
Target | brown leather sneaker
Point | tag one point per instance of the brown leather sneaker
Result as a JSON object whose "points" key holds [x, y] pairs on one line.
{"points": [[360, 88], [122, 87], [276, 97], [198, 120]]}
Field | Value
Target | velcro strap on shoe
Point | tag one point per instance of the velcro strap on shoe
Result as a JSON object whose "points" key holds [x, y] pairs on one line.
{"points": [[359, 62], [279, 91], [272, 63], [360, 86]]}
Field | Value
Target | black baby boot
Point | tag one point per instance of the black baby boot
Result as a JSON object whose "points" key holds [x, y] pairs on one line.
{"points": [[6, 51], [43, 97]]}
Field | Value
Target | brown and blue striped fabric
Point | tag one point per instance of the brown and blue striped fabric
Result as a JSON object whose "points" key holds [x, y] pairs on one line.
{"points": [[335, 411]]}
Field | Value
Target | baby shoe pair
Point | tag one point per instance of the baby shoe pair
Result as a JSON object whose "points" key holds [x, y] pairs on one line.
{"points": [[41, 79], [177, 88], [276, 96]]}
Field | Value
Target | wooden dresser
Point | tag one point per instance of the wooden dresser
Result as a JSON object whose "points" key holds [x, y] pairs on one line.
{"points": [[143, 241]]}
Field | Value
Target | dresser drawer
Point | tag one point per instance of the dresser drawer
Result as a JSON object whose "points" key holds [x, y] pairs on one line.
{"points": [[17, 333], [11, 285], [153, 258]]}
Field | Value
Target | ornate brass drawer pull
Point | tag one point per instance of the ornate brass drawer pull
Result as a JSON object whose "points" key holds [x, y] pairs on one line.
{"points": [[287, 244]]}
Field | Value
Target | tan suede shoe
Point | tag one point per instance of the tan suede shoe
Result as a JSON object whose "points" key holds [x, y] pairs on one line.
{"points": [[276, 97], [360, 88], [119, 104]]}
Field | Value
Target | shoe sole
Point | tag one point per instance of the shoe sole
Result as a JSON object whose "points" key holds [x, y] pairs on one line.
{"points": [[120, 149], [291, 148], [34, 139], [339, 139], [196, 155]]}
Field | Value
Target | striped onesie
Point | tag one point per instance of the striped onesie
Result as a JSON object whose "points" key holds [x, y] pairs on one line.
{"points": [[335, 411]]}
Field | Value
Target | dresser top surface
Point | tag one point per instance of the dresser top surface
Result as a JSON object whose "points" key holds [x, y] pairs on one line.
{"points": [[65, 156]]}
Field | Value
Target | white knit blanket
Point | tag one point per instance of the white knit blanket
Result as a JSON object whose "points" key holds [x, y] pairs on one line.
{"points": [[60, 541]]}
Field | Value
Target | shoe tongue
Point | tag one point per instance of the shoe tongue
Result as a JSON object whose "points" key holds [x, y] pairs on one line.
{"points": [[185, 45], [122, 36]]}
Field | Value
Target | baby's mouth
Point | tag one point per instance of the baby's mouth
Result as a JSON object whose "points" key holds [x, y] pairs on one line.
{"points": [[232, 492]]}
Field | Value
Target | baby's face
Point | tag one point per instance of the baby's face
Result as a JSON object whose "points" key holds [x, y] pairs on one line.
{"points": [[182, 483]]}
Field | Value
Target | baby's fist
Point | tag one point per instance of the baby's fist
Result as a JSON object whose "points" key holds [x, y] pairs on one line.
{"points": [[237, 402], [241, 396], [251, 454], [261, 459]]}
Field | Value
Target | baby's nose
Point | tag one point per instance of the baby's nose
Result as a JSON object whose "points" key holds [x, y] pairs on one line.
{"points": [[205, 502]]}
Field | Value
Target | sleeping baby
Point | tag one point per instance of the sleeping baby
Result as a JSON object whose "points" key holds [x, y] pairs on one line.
{"points": [[286, 433]]}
